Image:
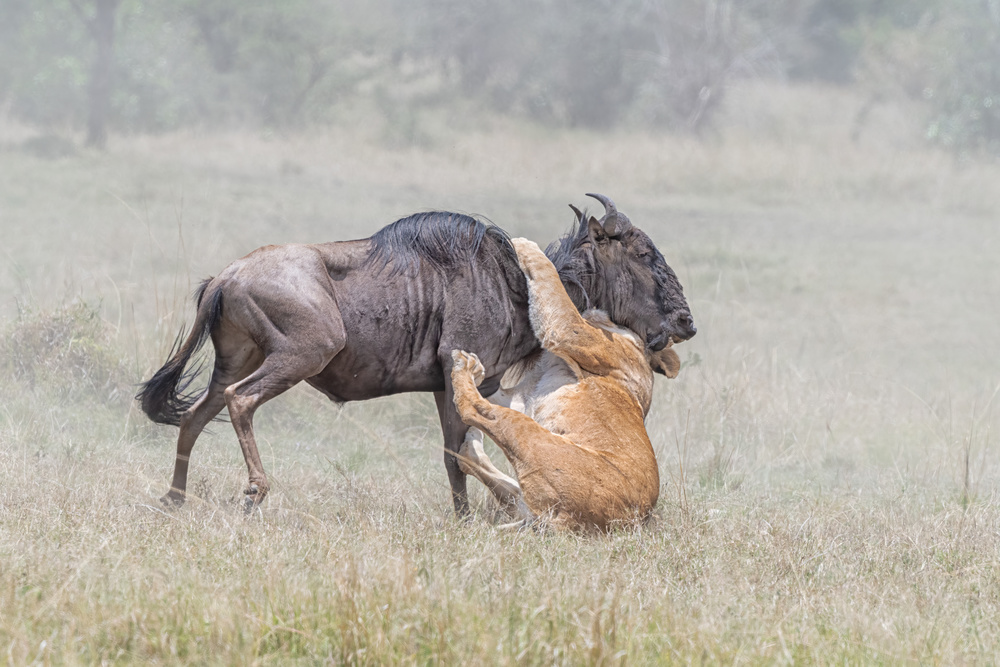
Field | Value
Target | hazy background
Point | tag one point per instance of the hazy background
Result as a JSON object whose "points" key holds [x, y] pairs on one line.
{"points": [[823, 176], [130, 67]]}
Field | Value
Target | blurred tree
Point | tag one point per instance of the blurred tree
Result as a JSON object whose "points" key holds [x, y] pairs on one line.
{"points": [[963, 87], [596, 62], [163, 65], [100, 23], [823, 40], [130, 65], [948, 59], [696, 50], [43, 73]]}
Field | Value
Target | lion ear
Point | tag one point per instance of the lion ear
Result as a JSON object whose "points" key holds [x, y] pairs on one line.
{"points": [[665, 362]]}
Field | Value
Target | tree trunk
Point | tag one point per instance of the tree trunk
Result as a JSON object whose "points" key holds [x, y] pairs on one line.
{"points": [[102, 28]]}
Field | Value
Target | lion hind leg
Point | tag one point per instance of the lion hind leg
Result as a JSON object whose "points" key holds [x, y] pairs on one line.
{"points": [[474, 461], [531, 449]]}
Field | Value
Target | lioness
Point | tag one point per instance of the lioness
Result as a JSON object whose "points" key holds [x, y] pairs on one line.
{"points": [[570, 419]]}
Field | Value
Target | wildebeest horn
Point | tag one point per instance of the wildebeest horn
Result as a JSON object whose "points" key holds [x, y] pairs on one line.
{"points": [[579, 213], [609, 206], [611, 215]]}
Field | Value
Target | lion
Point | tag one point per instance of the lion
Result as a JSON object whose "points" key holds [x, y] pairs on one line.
{"points": [[570, 419]]}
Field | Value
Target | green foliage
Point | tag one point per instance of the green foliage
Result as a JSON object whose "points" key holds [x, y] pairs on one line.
{"points": [[825, 39], [256, 61], [593, 63], [44, 51]]}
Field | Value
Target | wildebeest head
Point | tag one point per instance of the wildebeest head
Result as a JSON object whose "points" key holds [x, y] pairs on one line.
{"points": [[613, 265]]}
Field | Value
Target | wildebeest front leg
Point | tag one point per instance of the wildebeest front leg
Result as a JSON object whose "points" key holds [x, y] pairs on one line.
{"points": [[467, 374], [454, 431]]}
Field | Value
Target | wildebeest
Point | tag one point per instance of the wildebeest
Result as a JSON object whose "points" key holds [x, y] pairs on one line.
{"points": [[379, 316], [572, 423]]}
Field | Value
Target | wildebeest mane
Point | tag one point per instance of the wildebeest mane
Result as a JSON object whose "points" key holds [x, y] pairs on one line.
{"points": [[576, 269], [440, 239]]}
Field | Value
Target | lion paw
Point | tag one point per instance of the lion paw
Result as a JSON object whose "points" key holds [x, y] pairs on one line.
{"points": [[526, 250], [469, 362]]}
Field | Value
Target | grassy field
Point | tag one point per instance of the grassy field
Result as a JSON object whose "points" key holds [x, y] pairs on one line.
{"points": [[828, 454]]}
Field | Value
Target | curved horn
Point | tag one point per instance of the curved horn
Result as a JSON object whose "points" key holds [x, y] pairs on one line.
{"points": [[609, 206], [615, 223], [579, 213]]}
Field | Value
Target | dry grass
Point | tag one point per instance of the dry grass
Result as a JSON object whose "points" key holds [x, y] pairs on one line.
{"points": [[827, 454]]}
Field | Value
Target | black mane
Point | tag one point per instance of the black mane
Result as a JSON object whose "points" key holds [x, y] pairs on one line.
{"points": [[576, 269], [441, 239]]}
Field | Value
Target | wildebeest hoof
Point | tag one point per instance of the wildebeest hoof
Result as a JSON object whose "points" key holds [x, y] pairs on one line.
{"points": [[173, 499], [254, 497], [468, 361]]}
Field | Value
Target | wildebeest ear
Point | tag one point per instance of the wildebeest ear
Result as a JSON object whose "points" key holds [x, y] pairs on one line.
{"points": [[579, 213], [596, 231], [611, 226], [665, 362]]}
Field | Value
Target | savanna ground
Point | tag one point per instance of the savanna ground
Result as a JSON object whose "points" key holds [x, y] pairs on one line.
{"points": [[827, 455]]}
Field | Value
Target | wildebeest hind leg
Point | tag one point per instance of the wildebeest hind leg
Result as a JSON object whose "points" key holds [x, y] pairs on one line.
{"points": [[277, 374], [193, 421], [227, 370]]}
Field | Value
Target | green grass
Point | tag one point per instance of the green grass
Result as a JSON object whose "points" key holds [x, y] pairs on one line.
{"points": [[827, 455]]}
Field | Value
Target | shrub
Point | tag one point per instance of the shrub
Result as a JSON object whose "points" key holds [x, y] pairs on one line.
{"points": [[69, 349]]}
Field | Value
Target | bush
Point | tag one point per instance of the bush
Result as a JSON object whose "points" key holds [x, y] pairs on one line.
{"points": [[69, 349]]}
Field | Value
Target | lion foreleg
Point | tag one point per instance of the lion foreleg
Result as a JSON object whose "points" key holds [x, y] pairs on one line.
{"points": [[555, 320]]}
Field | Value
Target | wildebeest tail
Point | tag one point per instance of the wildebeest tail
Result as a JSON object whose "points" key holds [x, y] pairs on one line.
{"points": [[165, 396]]}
